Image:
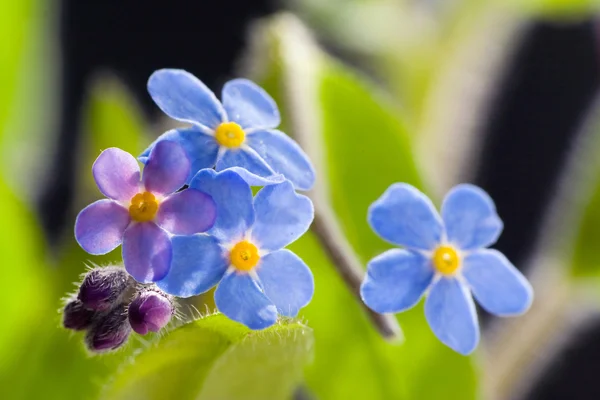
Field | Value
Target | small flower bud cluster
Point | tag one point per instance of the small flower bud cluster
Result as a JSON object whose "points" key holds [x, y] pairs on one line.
{"points": [[110, 304]]}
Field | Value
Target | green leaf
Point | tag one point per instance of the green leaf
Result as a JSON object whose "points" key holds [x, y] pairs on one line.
{"points": [[24, 273], [216, 358], [556, 8], [365, 147]]}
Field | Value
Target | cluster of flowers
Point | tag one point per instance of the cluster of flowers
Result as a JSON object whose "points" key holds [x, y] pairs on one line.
{"points": [[190, 222]]}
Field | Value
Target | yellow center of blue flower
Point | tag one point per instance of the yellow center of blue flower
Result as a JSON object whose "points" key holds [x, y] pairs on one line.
{"points": [[244, 256], [230, 134], [143, 207], [446, 260]]}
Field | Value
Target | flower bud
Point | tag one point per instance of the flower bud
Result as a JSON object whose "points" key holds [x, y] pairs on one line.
{"points": [[109, 331], [76, 316], [104, 287], [150, 310]]}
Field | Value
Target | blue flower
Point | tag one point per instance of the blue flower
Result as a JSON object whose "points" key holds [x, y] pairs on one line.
{"points": [[444, 257], [244, 251], [142, 214], [238, 133]]}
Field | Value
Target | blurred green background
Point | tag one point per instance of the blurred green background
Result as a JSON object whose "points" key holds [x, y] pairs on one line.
{"points": [[379, 87]]}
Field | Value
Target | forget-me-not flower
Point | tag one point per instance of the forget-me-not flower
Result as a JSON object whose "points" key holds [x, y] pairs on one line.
{"points": [[142, 214], [244, 252], [446, 259], [239, 133]]}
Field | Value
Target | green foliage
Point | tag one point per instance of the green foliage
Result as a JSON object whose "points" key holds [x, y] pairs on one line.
{"points": [[557, 8], [216, 358], [15, 31]]}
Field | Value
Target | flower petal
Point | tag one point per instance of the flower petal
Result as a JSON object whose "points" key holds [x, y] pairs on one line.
{"points": [[470, 218], [282, 216], [201, 149], [240, 298], [284, 156], [100, 226], [167, 168], [198, 264], [249, 105], [255, 180], [287, 281], [451, 314], [496, 284], [187, 212], [405, 216], [233, 198], [147, 252], [245, 158], [117, 174], [396, 280], [184, 97]]}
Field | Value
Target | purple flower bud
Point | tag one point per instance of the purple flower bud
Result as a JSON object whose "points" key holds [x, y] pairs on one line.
{"points": [[109, 331], [103, 287], [76, 316], [150, 311]]}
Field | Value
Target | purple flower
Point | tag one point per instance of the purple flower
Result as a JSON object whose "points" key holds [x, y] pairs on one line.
{"points": [[142, 214], [150, 311]]}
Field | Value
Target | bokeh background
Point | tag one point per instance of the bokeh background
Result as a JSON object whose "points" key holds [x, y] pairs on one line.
{"points": [[500, 93]]}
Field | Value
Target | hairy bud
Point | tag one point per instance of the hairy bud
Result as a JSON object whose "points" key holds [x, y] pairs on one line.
{"points": [[109, 331], [102, 288], [76, 316], [150, 310]]}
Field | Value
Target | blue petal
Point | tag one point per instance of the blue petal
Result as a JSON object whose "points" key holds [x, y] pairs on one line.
{"points": [[406, 217], [184, 97], [284, 156], [470, 218], [282, 216], [496, 284], [451, 314], [240, 298], [198, 264], [247, 159], [287, 281], [249, 105], [200, 148], [255, 180], [396, 280], [233, 197]]}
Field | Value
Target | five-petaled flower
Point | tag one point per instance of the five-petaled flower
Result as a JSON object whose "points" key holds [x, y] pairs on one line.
{"points": [[239, 133], [244, 251], [445, 257], [142, 214]]}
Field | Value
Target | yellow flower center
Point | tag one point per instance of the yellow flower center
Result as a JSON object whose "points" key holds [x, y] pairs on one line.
{"points": [[244, 256], [143, 207], [230, 134], [446, 260]]}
